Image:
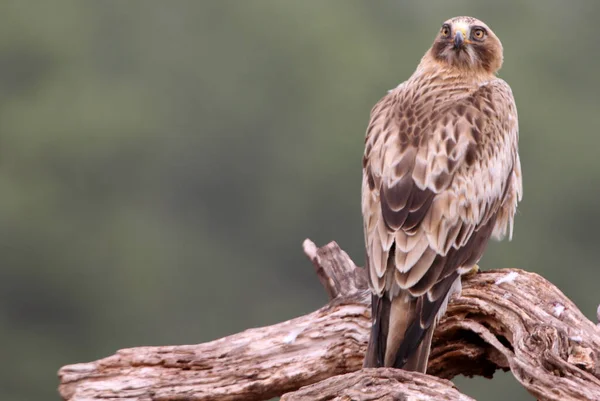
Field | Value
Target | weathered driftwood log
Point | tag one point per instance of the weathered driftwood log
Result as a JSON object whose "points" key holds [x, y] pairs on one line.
{"points": [[256, 364], [379, 384], [504, 319]]}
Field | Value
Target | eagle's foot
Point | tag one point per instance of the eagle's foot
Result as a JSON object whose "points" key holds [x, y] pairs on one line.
{"points": [[474, 270]]}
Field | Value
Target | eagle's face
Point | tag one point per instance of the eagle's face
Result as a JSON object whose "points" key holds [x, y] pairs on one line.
{"points": [[466, 42]]}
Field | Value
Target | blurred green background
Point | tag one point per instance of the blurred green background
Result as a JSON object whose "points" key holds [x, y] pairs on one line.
{"points": [[162, 162]]}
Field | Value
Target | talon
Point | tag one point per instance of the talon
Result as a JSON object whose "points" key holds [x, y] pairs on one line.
{"points": [[474, 270]]}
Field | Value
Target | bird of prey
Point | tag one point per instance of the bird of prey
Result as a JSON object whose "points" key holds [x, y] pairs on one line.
{"points": [[441, 175]]}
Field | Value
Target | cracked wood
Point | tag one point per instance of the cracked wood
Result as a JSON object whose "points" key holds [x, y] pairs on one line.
{"points": [[504, 319], [379, 385]]}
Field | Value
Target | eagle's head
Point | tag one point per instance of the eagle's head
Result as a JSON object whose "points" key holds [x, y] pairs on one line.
{"points": [[466, 42]]}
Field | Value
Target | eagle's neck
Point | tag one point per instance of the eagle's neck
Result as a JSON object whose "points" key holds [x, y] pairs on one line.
{"points": [[435, 70]]}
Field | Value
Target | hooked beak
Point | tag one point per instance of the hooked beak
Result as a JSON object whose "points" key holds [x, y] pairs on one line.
{"points": [[459, 39]]}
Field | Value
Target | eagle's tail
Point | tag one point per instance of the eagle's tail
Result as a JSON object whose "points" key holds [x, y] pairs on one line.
{"points": [[397, 338]]}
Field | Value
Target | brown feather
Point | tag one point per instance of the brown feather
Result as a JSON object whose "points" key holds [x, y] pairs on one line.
{"points": [[441, 175]]}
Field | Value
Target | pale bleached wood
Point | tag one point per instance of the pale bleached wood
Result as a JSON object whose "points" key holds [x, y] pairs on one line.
{"points": [[336, 271], [379, 385], [504, 319], [256, 364], [515, 320]]}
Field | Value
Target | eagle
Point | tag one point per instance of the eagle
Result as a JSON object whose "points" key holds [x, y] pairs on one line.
{"points": [[441, 176]]}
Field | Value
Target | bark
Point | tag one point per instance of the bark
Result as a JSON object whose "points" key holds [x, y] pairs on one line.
{"points": [[505, 319], [379, 384]]}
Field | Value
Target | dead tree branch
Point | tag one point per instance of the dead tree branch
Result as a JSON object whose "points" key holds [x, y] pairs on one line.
{"points": [[379, 384], [505, 319]]}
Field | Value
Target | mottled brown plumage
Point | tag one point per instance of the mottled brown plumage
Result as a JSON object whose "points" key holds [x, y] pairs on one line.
{"points": [[441, 175]]}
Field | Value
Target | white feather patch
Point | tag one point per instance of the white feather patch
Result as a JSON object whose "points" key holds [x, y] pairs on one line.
{"points": [[558, 309], [576, 339], [292, 336], [509, 278]]}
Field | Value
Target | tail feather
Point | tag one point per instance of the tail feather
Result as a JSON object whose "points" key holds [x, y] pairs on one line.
{"points": [[400, 339], [380, 312], [418, 360], [393, 341], [403, 328]]}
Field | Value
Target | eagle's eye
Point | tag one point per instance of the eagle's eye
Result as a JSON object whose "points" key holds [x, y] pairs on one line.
{"points": [[445, 31], [478, 33]]}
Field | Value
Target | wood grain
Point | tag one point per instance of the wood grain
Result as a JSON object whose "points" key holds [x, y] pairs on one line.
{"points": [[505, 319]]}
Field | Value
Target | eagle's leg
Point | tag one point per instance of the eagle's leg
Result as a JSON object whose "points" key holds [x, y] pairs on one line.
{"points": [[474, 270]]}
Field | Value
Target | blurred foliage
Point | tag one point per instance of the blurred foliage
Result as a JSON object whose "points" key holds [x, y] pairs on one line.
{"points": [[161, 162]]}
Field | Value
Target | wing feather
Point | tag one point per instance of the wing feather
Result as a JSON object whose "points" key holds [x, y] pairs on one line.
{"points": [[440, 177], [432, 192]]}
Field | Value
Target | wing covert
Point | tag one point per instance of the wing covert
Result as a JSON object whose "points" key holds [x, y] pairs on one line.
{"points": [[439, 176]]}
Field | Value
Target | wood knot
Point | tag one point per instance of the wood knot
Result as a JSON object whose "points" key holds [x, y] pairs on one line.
{"points": [[546, 338], [582, 357]]}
